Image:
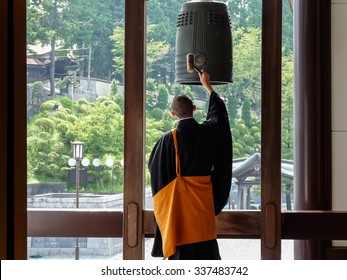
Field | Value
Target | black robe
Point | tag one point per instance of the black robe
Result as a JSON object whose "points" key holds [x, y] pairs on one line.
{"points": [[204, 149]]}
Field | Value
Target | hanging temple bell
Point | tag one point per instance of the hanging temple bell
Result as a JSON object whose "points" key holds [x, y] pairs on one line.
{"points": [[203, 42]]}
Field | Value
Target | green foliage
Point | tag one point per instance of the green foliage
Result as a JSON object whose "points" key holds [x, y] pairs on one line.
{"points": [[100, 25], [157, 49], [101, 99], [66, 102], [71, 118], [239, 148], [50, 137], [119, 100], [257, 137], [236, 153], [199, 116], [254, 130], [249, 140], [245, 139], [188, 91], [247, 65], [167, 125], [45, 125], [245, 13], [63, 84], [83, 102], [83, 109], [62, 115], [114, 87], [163, 97], [118, 50], [154, 130], [176, 89], [246, 112], [235, 132], [62, 128], [232, 106], [167, 116], [241, 128], [37, 89], [151, 94], [150, 84], [287, 109], [157, 113], [49, 105]]}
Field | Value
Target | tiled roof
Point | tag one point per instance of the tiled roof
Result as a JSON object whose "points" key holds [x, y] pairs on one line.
{"points": [[34, 61]]}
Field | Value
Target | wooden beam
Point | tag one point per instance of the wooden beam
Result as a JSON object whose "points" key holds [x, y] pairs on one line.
{"points": [[74, 223], [314, 225], [317, 225], [230, 224], [337, 253]]}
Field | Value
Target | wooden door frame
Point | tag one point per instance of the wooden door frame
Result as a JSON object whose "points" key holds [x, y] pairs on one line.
{"points": [[13, 168], [135, 28], [231, 224], [134, 128], [271, 83]]}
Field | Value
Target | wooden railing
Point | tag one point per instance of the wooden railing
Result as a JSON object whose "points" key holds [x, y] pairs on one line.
{"points": [[317, 225]]}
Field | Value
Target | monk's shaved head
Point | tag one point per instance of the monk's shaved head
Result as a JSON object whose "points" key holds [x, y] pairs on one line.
{"points": [[182, 106]]}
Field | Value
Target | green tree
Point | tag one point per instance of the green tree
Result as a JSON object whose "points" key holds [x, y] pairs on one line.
{"points": [[49, 15], [199, 115], [163, 97], [162, 17], [287, 108], [118, 51], [188, 91], [247, 65], [244, 13], [114, 87], [157, 113], [246, 112], [151, 94], [37, 89], [119, 100], [88, 27], [176, 89], [99, 125], [156, 50], [232, 109]]}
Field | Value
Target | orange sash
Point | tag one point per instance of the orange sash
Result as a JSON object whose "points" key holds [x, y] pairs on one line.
{"points": [[184, 210]]}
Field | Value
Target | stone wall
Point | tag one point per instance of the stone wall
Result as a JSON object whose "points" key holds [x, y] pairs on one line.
{"points": [[42, 188]]}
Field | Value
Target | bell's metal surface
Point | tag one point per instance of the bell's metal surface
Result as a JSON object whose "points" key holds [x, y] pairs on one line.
{"points": [[203, 42]]}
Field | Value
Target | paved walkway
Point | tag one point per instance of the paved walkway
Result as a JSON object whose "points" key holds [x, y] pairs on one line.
{"points": [[239, 249]]}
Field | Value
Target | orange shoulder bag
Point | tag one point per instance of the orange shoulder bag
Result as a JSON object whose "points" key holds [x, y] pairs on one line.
{"points": [[184, 209]]}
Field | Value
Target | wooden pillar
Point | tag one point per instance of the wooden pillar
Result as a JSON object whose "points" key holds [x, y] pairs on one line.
{"points": [[271, 130], [248, 199], [13, 217], [312, 89], [3, 127], [134, 128]]}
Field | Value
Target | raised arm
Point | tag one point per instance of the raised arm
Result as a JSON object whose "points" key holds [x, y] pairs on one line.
{"points": [[205, 80]]}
